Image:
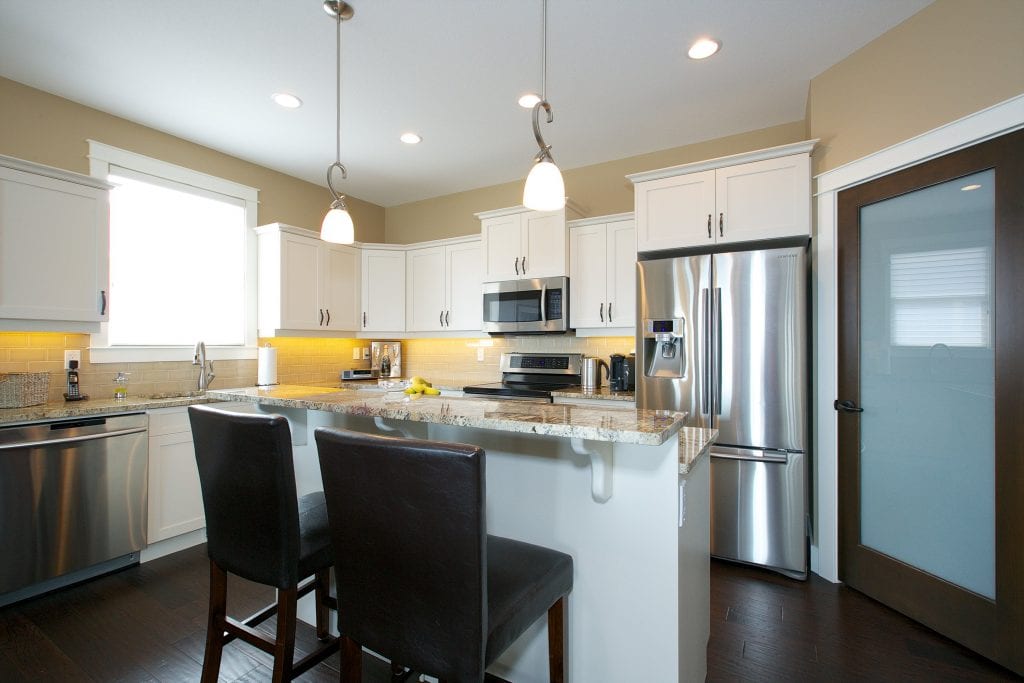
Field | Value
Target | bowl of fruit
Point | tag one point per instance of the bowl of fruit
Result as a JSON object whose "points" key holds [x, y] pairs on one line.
{"points": [[420, 387]]}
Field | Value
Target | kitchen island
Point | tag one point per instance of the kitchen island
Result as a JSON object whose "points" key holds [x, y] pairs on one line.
{"points": [[625, 492]]}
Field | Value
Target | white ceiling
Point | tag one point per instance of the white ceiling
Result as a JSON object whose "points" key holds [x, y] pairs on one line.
{"points": [[619, 81]]}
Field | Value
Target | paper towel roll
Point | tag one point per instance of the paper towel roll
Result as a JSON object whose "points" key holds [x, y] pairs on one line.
{"points": [[266, 366]]}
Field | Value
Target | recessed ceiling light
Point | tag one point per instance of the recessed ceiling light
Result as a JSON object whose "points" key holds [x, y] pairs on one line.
{"points": [[410, 138], [968, 188], [286, 100], [528, 100], [703, 48]]}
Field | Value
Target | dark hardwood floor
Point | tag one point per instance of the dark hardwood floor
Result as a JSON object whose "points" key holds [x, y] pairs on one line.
{"points": [[147, 623]]}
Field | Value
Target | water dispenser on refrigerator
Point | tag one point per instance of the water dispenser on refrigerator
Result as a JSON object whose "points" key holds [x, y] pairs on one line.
{"points": [[664, 352]]}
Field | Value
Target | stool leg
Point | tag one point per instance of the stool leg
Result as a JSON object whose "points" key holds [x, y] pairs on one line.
{"points": [[284, 647], [556, 641], [351, 661], [321, 591], [215, 623]]}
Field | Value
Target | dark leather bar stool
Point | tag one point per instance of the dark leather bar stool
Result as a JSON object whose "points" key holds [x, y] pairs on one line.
{"points": [[420, 580], [257, 528]]}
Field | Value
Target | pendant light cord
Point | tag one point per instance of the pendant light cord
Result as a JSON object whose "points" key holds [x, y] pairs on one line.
{"points": [[544, 51], [337, 92]]}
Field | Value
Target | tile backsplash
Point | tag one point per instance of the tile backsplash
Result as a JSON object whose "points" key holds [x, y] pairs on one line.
{"points": [[300, 361]]}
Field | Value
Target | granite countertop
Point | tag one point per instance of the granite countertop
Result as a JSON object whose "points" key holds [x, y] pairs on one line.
{"points": [[694, 443], [645, 427], [600, 393], [96, 406]]}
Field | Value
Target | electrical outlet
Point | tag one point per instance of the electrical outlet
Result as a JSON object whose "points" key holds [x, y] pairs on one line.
{"points": [[70, 355], [356, 353], [366, 353], [479, 355]]}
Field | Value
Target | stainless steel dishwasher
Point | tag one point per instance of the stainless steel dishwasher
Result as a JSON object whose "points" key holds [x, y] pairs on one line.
{"points": [[73, 500]]}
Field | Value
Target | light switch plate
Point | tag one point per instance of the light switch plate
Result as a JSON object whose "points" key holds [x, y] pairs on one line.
{"points": [[70, 355], [366, 353], [356, 353], [480, 355]]}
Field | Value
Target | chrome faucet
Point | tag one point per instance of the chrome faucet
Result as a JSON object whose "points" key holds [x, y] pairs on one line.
{"points": [[206, 373]]}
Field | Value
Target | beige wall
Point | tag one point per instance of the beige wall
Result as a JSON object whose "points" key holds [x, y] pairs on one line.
{"points": [[598, 190], [47, 129], [952, 58]]}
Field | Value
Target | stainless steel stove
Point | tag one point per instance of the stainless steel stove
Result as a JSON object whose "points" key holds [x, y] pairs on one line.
{"points": [[532, 376]]}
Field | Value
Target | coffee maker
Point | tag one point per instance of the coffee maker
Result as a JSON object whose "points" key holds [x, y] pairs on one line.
{"points": [[623, 372]]}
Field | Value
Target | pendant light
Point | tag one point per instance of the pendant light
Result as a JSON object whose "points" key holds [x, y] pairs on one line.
{"points": [[545, 189], [337, 226]]}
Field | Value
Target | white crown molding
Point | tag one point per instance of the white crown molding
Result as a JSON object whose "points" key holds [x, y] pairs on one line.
{"points": [[52, 172], [600, 220], [804, 147]]}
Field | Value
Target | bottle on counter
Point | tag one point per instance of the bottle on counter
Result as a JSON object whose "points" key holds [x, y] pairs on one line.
{"points": [[121, 386], [385, 364]]}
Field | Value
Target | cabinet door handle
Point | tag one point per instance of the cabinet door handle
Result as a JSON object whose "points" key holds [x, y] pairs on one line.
{"points": [[609, 311], [517, 266], [321, 317], [328, 316], [721, 229], [364, 318], [440, 318], [103, 302], [601, 312], [524, 265], [709, 226], [447, 322]]}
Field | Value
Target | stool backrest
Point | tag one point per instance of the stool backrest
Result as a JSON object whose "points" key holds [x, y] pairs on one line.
{"points": [[409, 534], [248, 483]]}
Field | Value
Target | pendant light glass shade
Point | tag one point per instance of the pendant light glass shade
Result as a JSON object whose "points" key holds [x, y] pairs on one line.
{"points": [[337, 226], [545, 189]]}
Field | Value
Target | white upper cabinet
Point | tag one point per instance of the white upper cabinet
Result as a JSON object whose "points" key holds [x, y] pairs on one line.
{"points": [[306, 284], [747, 197], [443, 287], [519, 243], [54, 245], [602, 280], [383, 275]]}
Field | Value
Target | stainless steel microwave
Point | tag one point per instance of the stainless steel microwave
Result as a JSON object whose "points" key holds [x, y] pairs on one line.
{"points": [[537, 306]]}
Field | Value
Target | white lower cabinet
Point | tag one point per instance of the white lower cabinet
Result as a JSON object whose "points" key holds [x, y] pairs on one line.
{"points": [[443, 287], [602, 272], [175, 498]]}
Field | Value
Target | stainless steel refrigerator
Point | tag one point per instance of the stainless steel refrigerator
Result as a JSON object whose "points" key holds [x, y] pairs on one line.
{"points": [[724, 338]]}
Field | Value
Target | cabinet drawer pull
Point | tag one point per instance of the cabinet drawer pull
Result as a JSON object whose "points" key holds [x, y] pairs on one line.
{"points": [[721, 229], [709, 226]]}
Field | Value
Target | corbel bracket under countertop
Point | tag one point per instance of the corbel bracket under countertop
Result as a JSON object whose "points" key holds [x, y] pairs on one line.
{"points": [[601, 461]]}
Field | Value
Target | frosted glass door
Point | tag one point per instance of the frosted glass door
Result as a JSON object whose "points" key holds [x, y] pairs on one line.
{"points": [[927, 451]]}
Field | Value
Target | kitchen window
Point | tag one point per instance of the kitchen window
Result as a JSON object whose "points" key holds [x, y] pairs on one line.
{"points": [[182, 261]]}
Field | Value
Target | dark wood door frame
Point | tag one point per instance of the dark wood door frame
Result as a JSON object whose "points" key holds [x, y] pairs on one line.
{"points": [[992, 628]]}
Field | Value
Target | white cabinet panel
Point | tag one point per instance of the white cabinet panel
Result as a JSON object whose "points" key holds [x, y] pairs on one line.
{"points": [[339, 286], [545, 244], [383, 275], [764, 199], [425, 288], [503, 243], [175, 496], [54, 247], [675, 212], [602, 277], [464, 272], [300, 283]]}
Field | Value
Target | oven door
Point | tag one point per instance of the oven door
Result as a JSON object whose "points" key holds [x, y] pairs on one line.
{"points": [[533, 306]]}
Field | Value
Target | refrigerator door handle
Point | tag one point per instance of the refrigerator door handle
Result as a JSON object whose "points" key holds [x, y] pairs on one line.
{"points": [[705, 365], [717, 332], [765, 456]]}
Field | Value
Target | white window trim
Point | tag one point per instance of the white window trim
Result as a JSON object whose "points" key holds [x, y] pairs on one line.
{"points": [[101, 158]]}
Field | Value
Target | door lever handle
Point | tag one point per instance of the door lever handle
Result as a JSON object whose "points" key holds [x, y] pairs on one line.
{"points": [[846, 406]]}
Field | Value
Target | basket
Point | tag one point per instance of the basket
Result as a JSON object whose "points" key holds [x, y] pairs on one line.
{"points": [[21, 389]]}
